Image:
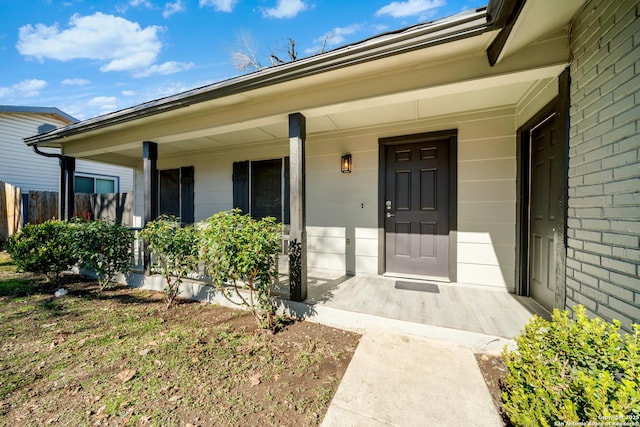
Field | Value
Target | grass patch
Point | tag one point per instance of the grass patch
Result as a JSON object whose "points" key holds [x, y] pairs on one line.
{"points": [[117, 357], [16, 287]]}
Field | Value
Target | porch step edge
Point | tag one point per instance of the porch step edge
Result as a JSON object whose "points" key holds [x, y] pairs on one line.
{"points": [[359, 322]]}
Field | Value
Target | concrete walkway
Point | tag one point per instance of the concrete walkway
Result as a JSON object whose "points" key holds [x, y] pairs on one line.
{"points": [[404, 380]]}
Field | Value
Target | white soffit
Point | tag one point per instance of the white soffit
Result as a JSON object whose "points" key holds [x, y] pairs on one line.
{"points": [[538, 19]]}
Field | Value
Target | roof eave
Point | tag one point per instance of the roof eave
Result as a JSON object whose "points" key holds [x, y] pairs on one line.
{"points": [[38, 110], [386, 45]]}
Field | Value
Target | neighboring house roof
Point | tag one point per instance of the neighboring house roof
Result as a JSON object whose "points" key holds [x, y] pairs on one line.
{"points": [[416, 37], [52, 111], [24, 168]]}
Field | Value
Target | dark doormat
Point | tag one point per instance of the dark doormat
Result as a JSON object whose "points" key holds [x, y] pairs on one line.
{"points": [[417, 286]]}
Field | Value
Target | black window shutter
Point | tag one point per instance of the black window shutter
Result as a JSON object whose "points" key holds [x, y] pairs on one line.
{"points": [[287, 191], [187, 194], [241, 186]]}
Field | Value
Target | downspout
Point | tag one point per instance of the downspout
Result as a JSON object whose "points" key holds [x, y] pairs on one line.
{"points": [[66, 201]]}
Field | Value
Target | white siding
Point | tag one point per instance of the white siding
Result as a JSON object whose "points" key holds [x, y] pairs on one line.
{"points": [[21, 167], [486, 199], [342, 209]]}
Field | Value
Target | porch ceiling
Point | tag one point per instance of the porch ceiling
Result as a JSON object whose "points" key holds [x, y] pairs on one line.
{"points": [[326, 120]]}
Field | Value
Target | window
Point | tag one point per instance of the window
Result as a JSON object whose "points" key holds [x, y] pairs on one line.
{"points": [[95, 184], [175, 193], [169, 192], [261, 188]]}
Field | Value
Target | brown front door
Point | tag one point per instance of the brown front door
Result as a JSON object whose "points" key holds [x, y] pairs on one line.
{"points": [[416, 208], [545, 186]]}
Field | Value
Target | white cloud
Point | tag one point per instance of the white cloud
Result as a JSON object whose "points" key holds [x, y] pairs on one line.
{"points": [[122, 44], [122, 8], [145, 3], [169, 67], [220, 5], [23, 89], [104, 104], [337, 35], [333, 38], [401, 9], [135, 60], [171, 8], [129, 93], [173, 88], [285, 9], [101, 100], [76, 82]]}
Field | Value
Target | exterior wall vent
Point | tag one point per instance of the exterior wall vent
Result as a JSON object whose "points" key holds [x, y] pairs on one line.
{"points": [[47, 127]]}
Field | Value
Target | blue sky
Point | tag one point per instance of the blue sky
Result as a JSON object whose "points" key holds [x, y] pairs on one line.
{"points": [[92, 57]]}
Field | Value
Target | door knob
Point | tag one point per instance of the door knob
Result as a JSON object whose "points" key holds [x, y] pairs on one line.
{"points": [[389, 215]]}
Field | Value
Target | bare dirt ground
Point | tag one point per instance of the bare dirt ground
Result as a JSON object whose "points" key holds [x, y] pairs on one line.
{"points": [[118, 357], [494, 372]]}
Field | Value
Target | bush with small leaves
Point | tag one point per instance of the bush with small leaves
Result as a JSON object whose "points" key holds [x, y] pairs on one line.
{"points": [[42, 248], [175, 250], [102, 246], [573, 371], [241, 253]]}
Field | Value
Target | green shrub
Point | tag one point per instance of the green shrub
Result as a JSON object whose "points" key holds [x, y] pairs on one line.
{"points": [[573, 371], [42, 248], [102, 246], [240, 252], [175, 251]]}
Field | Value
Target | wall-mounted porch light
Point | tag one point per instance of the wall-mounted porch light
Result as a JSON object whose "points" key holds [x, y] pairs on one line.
{"points": [[346, 163]]}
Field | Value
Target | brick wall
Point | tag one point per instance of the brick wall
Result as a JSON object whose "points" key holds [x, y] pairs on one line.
{"points": [[603, 258]]}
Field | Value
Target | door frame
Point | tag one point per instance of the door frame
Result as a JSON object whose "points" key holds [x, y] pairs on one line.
{"points": [[560, 106], [383, 143]]}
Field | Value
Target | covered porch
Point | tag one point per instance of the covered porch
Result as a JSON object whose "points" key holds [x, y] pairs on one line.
{"points": [[271, 143], [449, 310]]}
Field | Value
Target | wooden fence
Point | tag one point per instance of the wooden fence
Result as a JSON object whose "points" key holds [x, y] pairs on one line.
{"points": [[114, 206], [41, 206], [10, 210]]}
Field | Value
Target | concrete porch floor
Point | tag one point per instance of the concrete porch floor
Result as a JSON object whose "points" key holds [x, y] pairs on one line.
{"points": [[446, 305], [475, 317]]}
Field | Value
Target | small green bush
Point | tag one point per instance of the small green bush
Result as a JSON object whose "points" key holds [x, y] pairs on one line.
{"points": [[573, 371], [175, 251], [240, 252], [42, 248], [102, 246]]}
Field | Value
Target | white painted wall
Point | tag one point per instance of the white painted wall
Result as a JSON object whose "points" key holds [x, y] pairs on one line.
{"points": [[537, 98], [486, 199], [342, 209], [21, 167]]}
